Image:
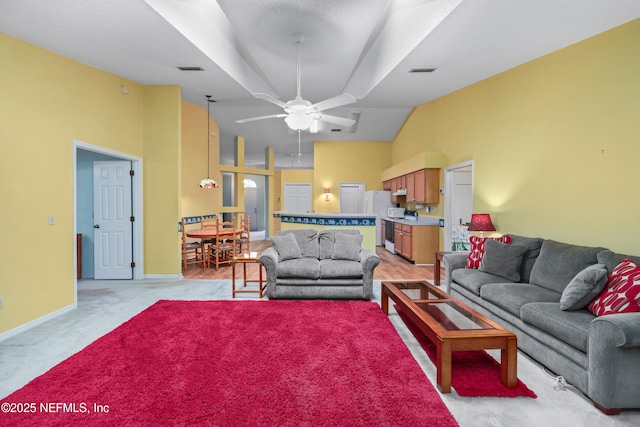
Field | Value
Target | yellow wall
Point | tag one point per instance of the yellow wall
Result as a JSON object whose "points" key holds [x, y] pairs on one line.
{"points": [[196, 200], [48, 101], [347, 161], [555, 142], [162, 169]]}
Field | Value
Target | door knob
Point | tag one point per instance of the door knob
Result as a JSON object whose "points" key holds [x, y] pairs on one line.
{"points": [[96, 226]]}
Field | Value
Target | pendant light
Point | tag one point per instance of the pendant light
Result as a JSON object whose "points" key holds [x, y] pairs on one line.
{"points": [[208, 182]]}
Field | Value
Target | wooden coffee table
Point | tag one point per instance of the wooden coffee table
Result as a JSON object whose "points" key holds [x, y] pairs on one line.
{"points": [[451, 325]]}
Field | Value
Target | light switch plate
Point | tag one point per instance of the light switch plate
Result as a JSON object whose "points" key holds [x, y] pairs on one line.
{"points": [[51, 220]]}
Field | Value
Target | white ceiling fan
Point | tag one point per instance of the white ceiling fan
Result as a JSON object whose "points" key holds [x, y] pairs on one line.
{"points": [[300, 114]]}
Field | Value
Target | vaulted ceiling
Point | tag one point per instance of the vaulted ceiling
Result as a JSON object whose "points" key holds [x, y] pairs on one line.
{"points": [[366, 48]]}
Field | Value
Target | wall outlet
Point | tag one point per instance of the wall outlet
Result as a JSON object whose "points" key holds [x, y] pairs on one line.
{"points": [[1, 306], [51, 220]]}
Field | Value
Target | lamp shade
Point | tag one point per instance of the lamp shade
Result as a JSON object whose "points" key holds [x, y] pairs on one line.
{"points": [[481, 222], [298, 121]]}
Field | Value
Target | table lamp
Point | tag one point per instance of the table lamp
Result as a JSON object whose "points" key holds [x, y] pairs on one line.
{"points": [[481, 222]]}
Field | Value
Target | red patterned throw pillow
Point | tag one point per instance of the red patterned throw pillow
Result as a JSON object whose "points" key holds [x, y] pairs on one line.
{"points": [[477, 249], [621, 294]]}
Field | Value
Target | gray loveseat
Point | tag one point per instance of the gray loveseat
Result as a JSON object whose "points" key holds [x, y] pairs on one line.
{"points": [[330, 264], [600, 356]]}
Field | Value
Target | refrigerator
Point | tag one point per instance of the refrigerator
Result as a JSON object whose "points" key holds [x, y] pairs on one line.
{"points": [[376, 203]]}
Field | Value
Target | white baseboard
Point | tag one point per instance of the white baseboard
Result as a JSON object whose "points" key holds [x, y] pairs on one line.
{"points": [[164, 276], [17, 330]]}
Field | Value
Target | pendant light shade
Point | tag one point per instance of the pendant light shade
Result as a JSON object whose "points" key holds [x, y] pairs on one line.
{"points": [[208, 182]]}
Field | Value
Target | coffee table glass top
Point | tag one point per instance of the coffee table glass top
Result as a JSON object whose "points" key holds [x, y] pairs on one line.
{"points": [[418, 291], [439, 305], [452, 316]]}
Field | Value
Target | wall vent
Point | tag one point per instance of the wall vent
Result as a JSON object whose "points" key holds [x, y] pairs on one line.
{"points": [[188, 68]]}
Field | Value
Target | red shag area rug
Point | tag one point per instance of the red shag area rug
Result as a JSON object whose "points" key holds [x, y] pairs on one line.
{"points": [[238, 363], [474, 373]]}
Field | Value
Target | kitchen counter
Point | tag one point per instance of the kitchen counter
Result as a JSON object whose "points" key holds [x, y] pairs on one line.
{"points": [[364, 223], [420, 221]]}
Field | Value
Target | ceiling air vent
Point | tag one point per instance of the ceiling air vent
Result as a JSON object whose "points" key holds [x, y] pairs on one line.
{"points": [[188, 68], [422, 70], [336, 130]]}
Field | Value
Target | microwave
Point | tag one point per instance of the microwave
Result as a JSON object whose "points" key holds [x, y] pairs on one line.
{"points": [[395, 212]]}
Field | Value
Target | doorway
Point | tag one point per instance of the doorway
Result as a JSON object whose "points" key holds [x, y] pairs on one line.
{"points": [[297, 197], [458, 205], [352, 197], [83, 195]]}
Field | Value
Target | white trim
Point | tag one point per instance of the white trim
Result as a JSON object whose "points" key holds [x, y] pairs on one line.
{"points": [[448, 208], [35, 322], [136, 191], [164, 276]]}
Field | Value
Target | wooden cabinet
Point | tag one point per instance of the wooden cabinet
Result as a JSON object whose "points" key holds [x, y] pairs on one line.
{"points": [[397, 237], [407, 242], [423, 186], [417, 243]]}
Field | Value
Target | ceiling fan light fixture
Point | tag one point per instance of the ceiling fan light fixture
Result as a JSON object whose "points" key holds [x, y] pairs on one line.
{"points": [[298, 121]]}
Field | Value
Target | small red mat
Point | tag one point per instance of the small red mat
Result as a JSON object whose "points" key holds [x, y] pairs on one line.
{"points": [[473, 373]]}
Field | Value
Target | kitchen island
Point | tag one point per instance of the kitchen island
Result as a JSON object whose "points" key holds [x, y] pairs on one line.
{"points": [[364, 223]]}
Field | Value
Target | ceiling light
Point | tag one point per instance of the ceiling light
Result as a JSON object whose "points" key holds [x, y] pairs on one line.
{"points": [[298, 121], [208, 182]]}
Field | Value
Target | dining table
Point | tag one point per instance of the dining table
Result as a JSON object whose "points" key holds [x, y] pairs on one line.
{"points": [[211, 232]]}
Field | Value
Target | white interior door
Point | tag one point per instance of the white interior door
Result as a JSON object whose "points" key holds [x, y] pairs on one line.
{"points": [[297, 198], [462, 198], [113, 252], [351, 197], [251, 206]]}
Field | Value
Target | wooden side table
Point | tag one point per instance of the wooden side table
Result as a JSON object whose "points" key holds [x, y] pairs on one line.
{"points": [[436, 267], [244, 259]]}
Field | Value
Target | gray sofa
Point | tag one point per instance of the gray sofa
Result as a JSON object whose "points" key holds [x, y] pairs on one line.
{"points": [[600, 356], [330, 264]]}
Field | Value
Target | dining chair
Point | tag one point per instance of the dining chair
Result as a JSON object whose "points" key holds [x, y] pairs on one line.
{"points": [[223, 248], [192, 251], [244, 238]]}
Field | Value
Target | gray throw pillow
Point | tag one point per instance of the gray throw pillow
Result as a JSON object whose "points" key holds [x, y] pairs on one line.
{"points": [[286, 246], [347, 247], [502, 260], [585, 286]]}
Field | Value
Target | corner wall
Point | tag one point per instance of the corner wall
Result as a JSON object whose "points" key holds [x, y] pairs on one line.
{"points": [[554, 142]]}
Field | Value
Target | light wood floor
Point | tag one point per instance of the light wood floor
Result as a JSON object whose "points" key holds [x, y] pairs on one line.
{"points": [[390, 267]]}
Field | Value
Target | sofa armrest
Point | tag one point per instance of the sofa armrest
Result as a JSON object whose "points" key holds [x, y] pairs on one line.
{"points": [[451, 262], [369, 260], [269, 259], [614, 360]]}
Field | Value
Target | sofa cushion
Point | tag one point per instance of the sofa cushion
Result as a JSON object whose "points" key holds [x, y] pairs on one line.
{"points": [[286, 246], [347, 247], [533, 245], [622, 291], [307, 239], [611, 259], [512, 296], [502, 260], [585, 286], [330, 269], [472, 279], [302, 268], [570, 327], [558, 263], [477, 249], [326, 241]]}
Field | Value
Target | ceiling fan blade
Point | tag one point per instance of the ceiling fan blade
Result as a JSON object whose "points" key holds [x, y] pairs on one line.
{"points": [[336, 101], [270, 99], [252, 119], [341, 121]]}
